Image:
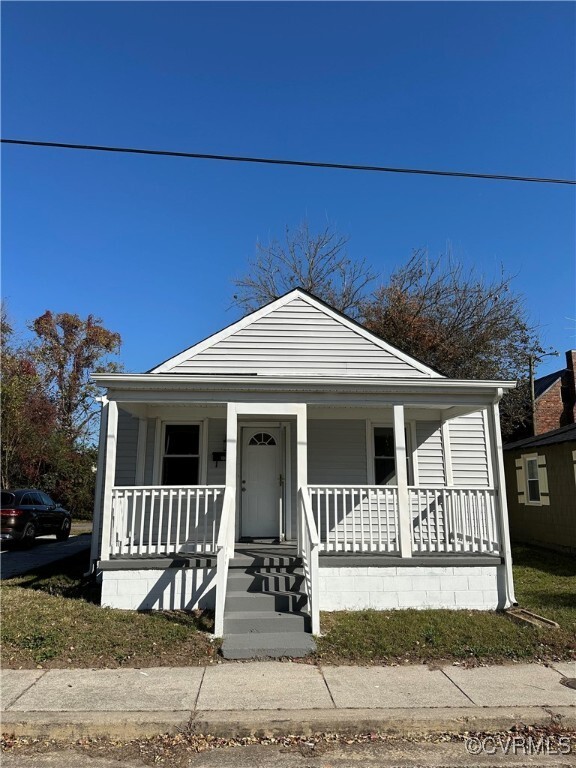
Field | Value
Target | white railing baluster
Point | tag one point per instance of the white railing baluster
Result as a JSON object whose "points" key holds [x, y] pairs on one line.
{"points": [[132, 534]]}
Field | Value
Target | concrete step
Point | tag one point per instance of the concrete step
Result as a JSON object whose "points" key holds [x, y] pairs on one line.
{"points": [[264, 560], [275, 601], [265, 581], [240, 622], [273, 645]]}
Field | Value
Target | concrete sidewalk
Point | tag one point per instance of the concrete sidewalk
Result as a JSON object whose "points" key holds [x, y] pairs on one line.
{"points": [[281, 697]]}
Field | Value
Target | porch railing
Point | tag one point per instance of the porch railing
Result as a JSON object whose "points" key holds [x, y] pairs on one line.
{"points": [[308, 545], [155, 520], [225, 550], [356, 518], [454, 520], [364, 518]]}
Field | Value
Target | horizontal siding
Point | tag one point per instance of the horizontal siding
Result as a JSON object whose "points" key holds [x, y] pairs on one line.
{"points": [[337, 452], [430, 455], [150, 446], [126, 449], [216, 475], [298, 339], [468, 451]]}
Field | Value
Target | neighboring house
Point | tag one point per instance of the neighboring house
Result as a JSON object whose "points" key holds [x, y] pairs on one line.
{"points": [[555, 397], [541, 489], [292, 463]]}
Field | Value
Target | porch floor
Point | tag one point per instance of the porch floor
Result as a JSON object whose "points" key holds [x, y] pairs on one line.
{"points": [[275, 553]]}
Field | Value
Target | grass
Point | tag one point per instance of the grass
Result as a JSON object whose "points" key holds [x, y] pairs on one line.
{"points": [[545, 584], [51, 618]]}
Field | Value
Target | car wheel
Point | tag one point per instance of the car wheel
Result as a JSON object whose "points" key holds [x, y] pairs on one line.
{"points": [[29, 535], [64, 531]]}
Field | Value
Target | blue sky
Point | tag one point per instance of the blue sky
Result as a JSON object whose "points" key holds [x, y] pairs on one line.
{"points": [[151, 244]]}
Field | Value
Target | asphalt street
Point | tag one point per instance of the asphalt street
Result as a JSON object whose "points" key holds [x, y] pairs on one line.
{"points": [[395, 754], [15, 561]]}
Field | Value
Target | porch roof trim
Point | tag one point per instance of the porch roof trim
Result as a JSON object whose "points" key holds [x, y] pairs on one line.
{"points": [[187, 383]]}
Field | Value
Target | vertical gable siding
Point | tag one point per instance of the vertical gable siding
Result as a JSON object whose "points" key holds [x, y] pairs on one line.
{"points": [[469, 451], [126, 449], [298, 339], [337, 452], [430, 454]]}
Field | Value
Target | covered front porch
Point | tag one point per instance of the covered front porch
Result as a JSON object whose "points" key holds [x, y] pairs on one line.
{"points": [[384, 484]]}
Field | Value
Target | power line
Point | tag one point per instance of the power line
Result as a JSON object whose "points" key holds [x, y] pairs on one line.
{"points": [[278, 161]]}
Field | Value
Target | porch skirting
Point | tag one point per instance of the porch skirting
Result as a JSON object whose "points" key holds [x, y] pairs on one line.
{"points": [[170, 584], [459, 587], [158, 588]]}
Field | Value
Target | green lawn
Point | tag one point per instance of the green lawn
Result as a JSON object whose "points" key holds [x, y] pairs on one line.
{"points": [[545, 584], [51, 618]]}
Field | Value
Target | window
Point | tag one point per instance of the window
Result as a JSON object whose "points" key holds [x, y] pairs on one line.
{"points": [[532, 481], [262, 438], [384, 460], [181, 454]]}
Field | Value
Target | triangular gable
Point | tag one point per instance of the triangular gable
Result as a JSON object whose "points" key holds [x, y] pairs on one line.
{"points": [[296, 335]]}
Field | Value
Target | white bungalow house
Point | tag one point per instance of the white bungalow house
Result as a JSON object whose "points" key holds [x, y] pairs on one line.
{"points": [[295, 463]]}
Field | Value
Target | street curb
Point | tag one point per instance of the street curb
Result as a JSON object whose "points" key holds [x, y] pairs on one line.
{"points": [[265, 723]]}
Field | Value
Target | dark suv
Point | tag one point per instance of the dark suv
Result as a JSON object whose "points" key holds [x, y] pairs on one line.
{"points": [[27, 513]]}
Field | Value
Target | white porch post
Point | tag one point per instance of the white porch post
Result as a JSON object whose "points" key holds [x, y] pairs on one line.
{"points": [[97, 514], [109, 475], [500, 486], [404, 533], [231, 463], [301, 460]]}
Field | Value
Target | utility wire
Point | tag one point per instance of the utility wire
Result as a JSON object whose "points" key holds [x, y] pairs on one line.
{"points": [[278, 161]]}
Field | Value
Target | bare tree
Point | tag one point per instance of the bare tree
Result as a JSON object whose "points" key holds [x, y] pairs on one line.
{"points": [[317, 262], [456, 322]]}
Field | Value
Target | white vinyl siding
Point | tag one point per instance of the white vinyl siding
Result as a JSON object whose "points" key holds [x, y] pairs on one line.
{"points": [[337, 452], [298, 339], [126, 449], [150, 448], [430, 454], [469, 451], [216, 475]]}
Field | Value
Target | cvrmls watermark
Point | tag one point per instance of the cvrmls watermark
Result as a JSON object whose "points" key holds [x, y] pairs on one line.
{"points": [[519, 745]]}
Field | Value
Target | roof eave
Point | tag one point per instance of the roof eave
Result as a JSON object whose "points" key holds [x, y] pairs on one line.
{"points": [[120, 381]]}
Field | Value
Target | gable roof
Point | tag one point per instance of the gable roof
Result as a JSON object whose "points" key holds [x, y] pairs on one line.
{"points": [[295, 335], [544, 383], [563, 435]]}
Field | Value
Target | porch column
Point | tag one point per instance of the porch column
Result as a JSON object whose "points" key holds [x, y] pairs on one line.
{"points": [[404, 534], [109, 477], [231, 462], [500, 495], [301, 465], [97, 513]]}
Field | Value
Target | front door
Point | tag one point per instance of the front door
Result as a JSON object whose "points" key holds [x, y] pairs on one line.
{"points": [[261, 482]]}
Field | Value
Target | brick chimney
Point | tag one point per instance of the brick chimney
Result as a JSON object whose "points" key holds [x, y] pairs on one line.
{"points": [[568, 390], [556, 407]]}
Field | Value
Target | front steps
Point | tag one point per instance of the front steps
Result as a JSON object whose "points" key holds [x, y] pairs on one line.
{"points": [[265, 613]]}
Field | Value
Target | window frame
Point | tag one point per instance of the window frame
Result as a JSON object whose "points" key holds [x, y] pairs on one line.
{"points": [[526, 460], [202, 450], [371, 457]]}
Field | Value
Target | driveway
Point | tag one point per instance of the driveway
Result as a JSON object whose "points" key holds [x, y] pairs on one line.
{"points": [[45, 550]]}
